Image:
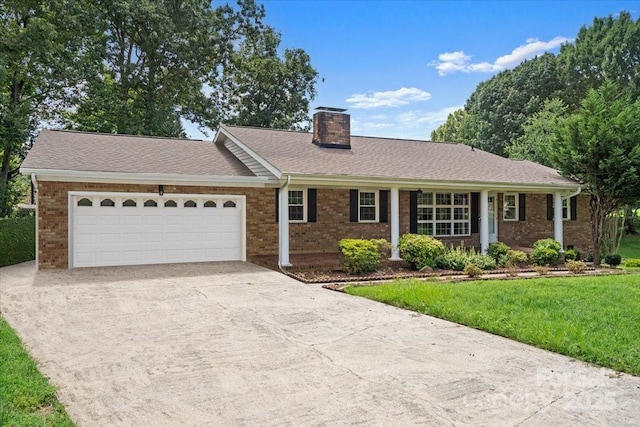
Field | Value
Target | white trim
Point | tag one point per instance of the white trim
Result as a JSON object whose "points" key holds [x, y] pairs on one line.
{"points": [[149, 178], [484, 221], [34, 181], [283, 226], [376, 205], [125, 195], [395, 224], [558, 232], [516, 206], [348, 181], [305, 204], [275, 171]]}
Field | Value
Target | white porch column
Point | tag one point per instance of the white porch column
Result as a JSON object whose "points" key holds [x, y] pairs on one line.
{"points": [[484, 221], [557, 219], [395, 224], [283, 226]]}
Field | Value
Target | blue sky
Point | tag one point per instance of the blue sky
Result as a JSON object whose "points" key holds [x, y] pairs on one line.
{"points": [[401, 66]]}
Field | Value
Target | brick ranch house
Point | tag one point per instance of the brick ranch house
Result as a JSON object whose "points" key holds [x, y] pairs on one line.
{"points": [[106, 199]]}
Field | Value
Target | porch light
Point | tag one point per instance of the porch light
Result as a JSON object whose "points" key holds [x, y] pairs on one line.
{"points": [[161, 190], [419, 191]]}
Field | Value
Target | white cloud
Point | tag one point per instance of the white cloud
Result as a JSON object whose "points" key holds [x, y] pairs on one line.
{"points": [[390, 98], [417, 118], [451, 62]]}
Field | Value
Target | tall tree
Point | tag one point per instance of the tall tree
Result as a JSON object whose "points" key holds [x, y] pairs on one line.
{"points": [[158, 56], [599, 146], [44, 48], [608, 50], [259, 88], [539, 134], [453, 129]]}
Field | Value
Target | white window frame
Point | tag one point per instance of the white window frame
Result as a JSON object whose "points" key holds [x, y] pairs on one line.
{"points": [[515, 206], [376, 205], [566, 207], [451, 206], [304, 205]]}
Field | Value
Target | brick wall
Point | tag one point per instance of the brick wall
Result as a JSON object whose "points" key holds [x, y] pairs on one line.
{"points": [[536, 225], [322, 236], [53, 249], [331, 128]]}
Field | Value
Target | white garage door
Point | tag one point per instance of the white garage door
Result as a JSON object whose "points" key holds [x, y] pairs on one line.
{"points": [[131, 229]]}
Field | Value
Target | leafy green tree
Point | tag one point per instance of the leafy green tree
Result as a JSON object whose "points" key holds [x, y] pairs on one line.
{"points": [[45, 46], [599, 146], [259, 88], [539, 134], [608, 50], [452, 130]]}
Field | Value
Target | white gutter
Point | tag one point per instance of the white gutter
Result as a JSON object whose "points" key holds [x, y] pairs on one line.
{"points": [[34, 180], [147, 178], [574, 193]]}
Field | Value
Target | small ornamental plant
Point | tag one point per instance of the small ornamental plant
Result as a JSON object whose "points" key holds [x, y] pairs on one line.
{"points": [[613, 260], [359, 255], [576, 267]]}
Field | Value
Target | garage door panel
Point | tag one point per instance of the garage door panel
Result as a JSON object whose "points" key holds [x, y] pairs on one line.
{"points": [[117, 235]]}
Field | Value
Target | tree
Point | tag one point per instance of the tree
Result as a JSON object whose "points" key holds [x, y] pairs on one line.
{"points": [[608, 50], [452, 130], [44, 47], [539, 131], [259, 88], [599, 146]]}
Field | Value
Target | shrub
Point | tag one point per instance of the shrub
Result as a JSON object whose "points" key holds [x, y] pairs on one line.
{"points": [[420, 250], [453, 259], [484, 262], [497, 250], [613, 260], [542, 270], [359, 255], [547, 243], [572, 255], [546, 252], [632, 262], [17, 240], [576, 267], [517, 258], [472, 270]]}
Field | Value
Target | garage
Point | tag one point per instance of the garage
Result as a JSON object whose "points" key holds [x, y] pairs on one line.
{"points": [[108, 229]]}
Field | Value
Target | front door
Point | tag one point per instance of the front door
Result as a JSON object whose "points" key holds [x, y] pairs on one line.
{"points": [[493, 220]]}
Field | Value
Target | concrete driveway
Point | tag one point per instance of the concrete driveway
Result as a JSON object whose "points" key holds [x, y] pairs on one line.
{"points": [[235, 344]]}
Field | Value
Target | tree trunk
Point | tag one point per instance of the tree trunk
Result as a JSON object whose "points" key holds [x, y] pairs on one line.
{"points": [[598, 216]]}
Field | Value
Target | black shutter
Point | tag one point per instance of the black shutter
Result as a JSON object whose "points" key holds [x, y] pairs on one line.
{"points": [[312, 206], [353, 205], [413, 212], [475, 212], [277, 203], [574, 208], [384, 205], [522, 207], [550, 207]]}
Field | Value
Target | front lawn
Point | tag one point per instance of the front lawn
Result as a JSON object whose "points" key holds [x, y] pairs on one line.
{"points": [[26, 397], [630, 247], [590, 318]]}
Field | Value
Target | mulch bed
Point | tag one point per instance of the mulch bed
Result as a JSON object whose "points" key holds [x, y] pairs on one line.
{"points": [[339, 276]]}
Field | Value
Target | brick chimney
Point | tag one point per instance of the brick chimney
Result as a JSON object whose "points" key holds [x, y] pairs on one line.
{"points": [[332, 128]]}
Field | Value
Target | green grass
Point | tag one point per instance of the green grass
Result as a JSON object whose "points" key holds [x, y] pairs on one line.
{"points": [[17, 240], [26, 398], [630, 247], [591, 318]]}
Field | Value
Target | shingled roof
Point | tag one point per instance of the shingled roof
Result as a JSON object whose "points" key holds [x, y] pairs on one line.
{"points": [[96, 152], [294, 152]]}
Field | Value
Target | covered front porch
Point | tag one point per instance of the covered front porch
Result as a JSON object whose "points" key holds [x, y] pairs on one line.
{"points": [[451, 213]]}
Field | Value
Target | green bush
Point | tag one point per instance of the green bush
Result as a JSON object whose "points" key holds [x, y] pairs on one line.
{"points": [[17, 240], [497, 250], [484, 262], [576, 267], [359, 255], [632, 262], [613, 260], [420, 249], [517, 258], [546, 252], [572, 255], [472, 270], [453, 259]]}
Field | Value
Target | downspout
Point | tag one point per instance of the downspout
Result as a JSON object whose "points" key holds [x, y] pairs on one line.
{"points": [[34, 182], [286, 184], [574, 194]]}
